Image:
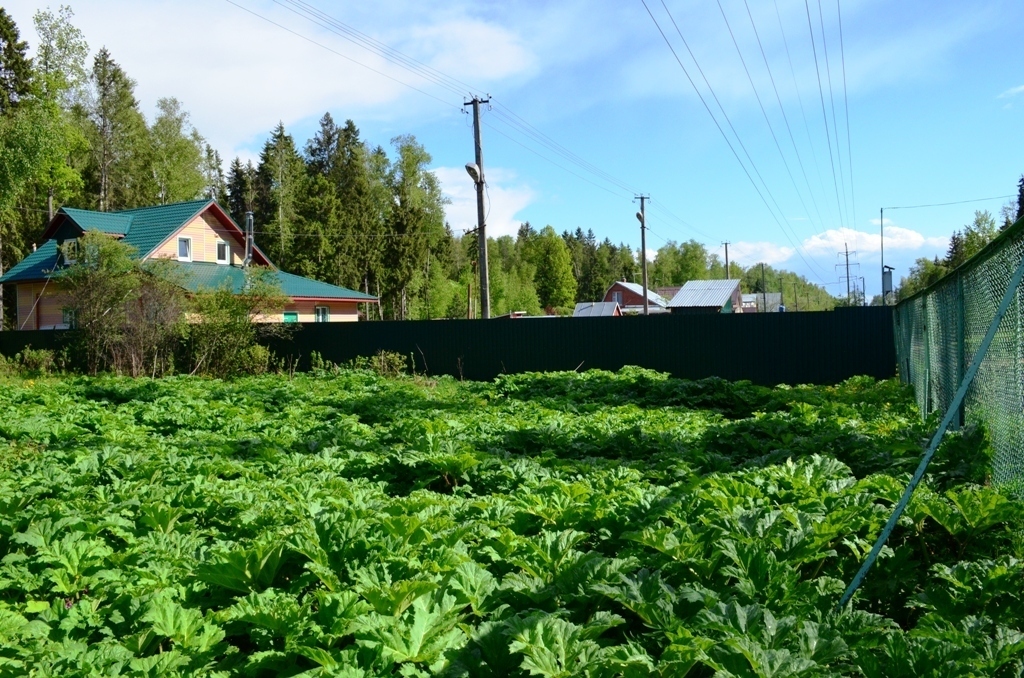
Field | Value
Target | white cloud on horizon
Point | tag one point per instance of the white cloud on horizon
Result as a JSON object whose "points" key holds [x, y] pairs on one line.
{"points": [[1013, 91], [749, 253], [505, 197], [896, 238]]}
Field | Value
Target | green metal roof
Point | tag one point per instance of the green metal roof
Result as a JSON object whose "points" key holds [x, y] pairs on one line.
{"points": [[206, 276], [145, 228], [36, 266], [150, 226], [114, 223]]}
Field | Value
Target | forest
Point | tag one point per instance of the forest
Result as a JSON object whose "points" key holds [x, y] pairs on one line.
{"points": [[337, 208]]}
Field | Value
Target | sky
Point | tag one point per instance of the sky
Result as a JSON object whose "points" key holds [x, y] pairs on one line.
{"points": [[739, 124]]}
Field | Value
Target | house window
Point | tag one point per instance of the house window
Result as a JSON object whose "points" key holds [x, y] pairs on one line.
{"points": [[68, 318], [223, 252], [617, 298], [291, 317], [184, 249], [323, 314], [70, 252]]}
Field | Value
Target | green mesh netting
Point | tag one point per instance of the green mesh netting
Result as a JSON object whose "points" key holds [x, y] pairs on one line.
{"points": [[938, 332]]}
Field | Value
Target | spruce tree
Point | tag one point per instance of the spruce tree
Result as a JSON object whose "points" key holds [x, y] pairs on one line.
{"points": [[241, 190], [278, 178], [15, 66], [1020, 199], [215, 185], [118, 168]]}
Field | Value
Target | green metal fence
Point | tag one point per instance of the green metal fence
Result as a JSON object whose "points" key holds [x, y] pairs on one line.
{"points": [[938, 332]]}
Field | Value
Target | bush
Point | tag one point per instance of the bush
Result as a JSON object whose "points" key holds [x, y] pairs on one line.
{"points": [[36, 360], [255, 360], [384, 363]]}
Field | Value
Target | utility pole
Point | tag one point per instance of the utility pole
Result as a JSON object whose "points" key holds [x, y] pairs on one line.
{"points": [[796, 297], [846, 254], [764, 289], [642, 216], [881, 244], [476, 172], [846, 248], [726, 243]]}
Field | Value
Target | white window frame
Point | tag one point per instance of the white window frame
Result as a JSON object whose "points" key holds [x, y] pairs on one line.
{"points": [[189, 241], [325, 311], [617, 298], [227, 252]]}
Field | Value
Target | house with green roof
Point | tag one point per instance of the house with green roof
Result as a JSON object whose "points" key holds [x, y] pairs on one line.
{"points": [[199, 236]]}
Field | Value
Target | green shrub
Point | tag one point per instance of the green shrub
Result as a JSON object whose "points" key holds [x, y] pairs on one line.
{"points": [[36, 360], [384, 363]]}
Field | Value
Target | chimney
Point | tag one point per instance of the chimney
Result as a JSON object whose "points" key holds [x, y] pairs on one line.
{"points": [[248, 240]]}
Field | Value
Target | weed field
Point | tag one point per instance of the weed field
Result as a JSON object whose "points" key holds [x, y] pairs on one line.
{"points": [[591, 524]]}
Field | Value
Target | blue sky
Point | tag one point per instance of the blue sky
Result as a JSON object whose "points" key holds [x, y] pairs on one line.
{"points": [[935, 93]]}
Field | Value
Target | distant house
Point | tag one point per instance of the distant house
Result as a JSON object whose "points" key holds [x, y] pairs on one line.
{"points": [[630, 298], [206, 245], [707, 296], [762, 302], [668, 292], [594, 309]]}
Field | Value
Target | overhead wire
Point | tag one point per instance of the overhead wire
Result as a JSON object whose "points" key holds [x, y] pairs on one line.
{"points": [[832, 103], [763, 111], [803, 111], [824, 115], [714, 119], [846, 106], [782, 108]]}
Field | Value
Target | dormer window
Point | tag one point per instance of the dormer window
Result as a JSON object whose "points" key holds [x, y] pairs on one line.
{"points": [[70, 248], [223, 252], [184, 249]]}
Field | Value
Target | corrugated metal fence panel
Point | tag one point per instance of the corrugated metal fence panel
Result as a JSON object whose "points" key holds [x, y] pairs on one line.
{"points": [[769, 348], [766, 348]]}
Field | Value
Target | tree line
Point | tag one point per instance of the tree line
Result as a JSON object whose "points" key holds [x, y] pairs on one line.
{"points": [[336, 208]]}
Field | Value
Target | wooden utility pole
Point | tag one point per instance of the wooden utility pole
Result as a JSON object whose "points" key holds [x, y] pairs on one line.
{"points": [[726, 243], [764, 289], [642, 216], [476, 172]]}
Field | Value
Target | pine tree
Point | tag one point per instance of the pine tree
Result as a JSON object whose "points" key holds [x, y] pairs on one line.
{"points": [[119, 137], [15, 66], [241, 190], [1020, 199], [215, 185]]}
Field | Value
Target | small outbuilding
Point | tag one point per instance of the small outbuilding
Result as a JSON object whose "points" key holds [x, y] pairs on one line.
{"points": [[707, 296], [762, 302], [630, 298], [597, 309]]}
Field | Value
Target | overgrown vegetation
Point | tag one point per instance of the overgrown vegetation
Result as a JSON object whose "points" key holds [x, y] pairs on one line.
{"points": [[134, 317], [592, 524]]}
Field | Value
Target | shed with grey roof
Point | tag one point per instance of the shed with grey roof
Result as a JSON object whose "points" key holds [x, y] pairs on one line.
{"points": [[707, 296]]}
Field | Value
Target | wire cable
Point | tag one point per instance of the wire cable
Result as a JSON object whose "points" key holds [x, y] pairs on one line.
{"points": [[718, 125], [803, 111], [824, 115], [832, 103], [764, 113], [782, 108], [846, 106]]}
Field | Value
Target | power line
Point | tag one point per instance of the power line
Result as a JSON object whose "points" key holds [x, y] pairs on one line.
{"points": [[946, 204], [832, 103], [846, 106], [824, 115], [803, 111], [761, 105], [343, 56], [782, 108], [715, 120]]}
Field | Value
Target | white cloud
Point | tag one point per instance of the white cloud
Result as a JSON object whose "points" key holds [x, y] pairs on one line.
{"points": [[749, 253], [896, 238], [505, 197], [651, 254], [239, 75], [1013, 91], [888, 222]]}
